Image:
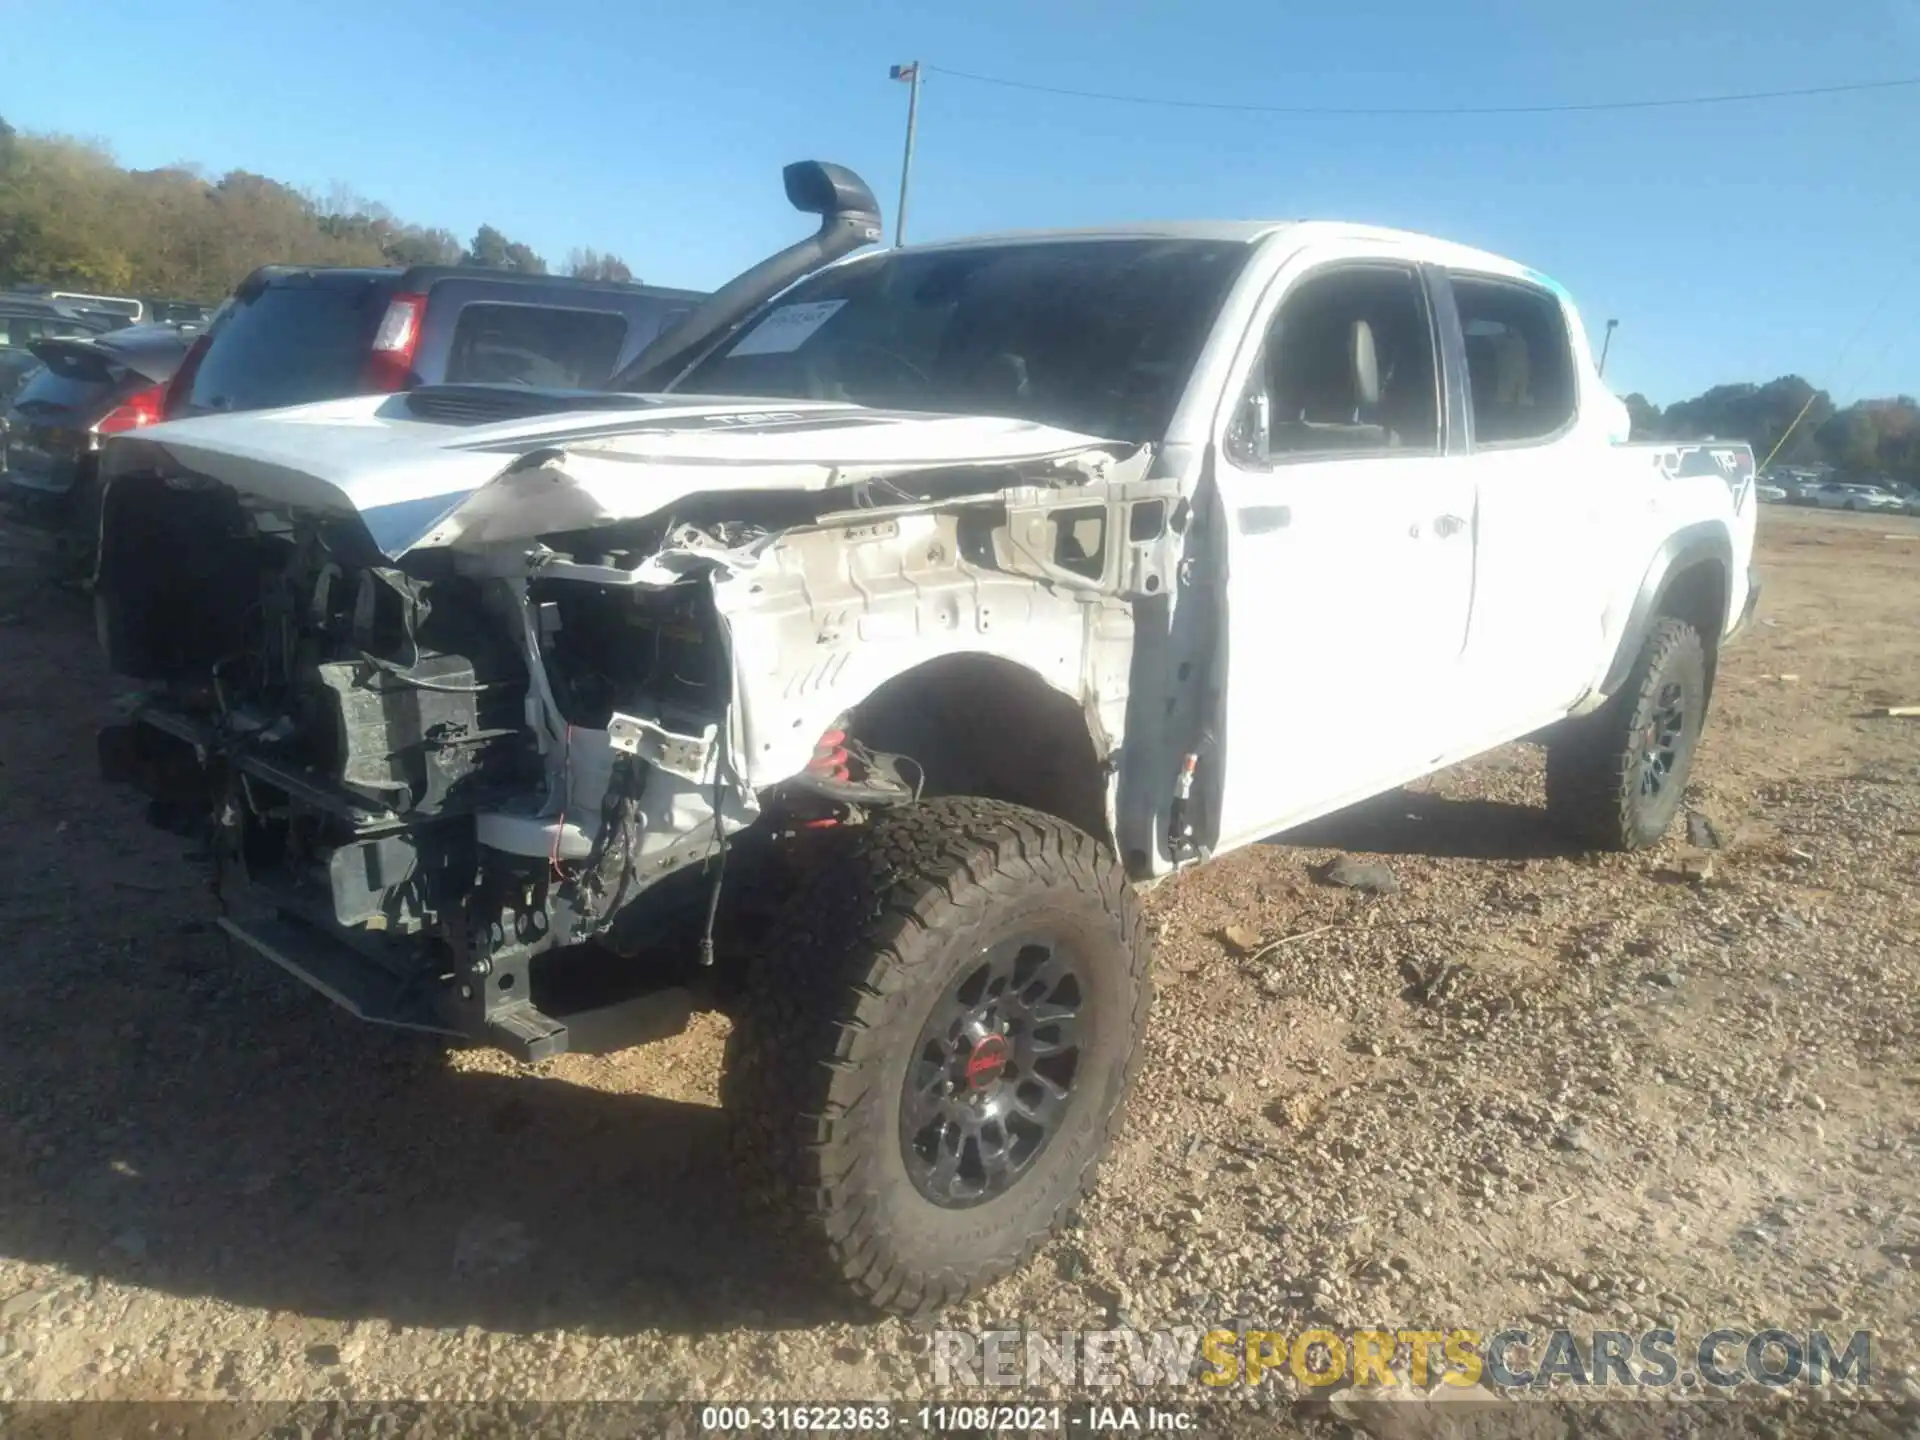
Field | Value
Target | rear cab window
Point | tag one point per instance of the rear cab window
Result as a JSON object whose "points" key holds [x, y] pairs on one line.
{"points": [[1520, 371], [291, 341], [502, 343]]}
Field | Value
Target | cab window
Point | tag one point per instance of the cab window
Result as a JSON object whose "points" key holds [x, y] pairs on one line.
{"points": [[1347, 370], [1520, 371]]}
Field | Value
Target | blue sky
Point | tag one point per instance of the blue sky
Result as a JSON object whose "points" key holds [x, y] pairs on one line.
{"points": [[1732, 242]]}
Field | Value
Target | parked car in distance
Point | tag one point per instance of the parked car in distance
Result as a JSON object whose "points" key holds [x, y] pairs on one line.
{"points": [[1845, 496], [25, 318], [1771, 492], [87, 388], [1799, 484], [123, 308], [290, 335], [188, 314]]}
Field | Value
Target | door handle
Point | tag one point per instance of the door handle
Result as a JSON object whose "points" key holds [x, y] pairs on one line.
{"points": [[1259, 519], [1446, 526]]}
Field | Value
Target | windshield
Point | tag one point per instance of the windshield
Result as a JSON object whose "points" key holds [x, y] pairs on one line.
{"points": [[1090, 335]]}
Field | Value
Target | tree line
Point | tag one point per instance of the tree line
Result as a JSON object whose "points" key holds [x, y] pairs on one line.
{"points": [[71, 216], [1866, 438]]}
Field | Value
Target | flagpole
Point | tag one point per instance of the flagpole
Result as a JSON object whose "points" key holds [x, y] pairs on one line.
{"points": [[911, 74]]}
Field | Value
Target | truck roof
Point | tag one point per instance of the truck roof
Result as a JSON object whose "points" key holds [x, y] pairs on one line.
{"points": [[1253, 232]]}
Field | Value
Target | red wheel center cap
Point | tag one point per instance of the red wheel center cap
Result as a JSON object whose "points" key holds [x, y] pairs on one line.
{"points": [[988, 1059]]}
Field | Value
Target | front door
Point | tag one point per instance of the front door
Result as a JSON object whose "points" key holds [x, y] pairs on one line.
{"points": [[1349, 551]]}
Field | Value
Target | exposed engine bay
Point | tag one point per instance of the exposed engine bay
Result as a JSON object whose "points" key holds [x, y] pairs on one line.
{"points": [[418, 775], [418, 758]]}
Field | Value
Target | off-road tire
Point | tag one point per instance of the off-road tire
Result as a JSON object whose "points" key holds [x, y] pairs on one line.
{"points": [[895, 913], [1595, 765]]}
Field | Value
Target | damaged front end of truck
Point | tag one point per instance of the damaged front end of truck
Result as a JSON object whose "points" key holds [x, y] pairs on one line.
{"points": [[437, 739]]}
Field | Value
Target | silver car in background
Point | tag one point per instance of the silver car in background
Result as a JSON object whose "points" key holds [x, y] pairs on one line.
{"points": [[1848, 496]]}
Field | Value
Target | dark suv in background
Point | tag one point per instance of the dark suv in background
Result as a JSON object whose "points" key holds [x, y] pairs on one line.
{"points": [[291, 335]]}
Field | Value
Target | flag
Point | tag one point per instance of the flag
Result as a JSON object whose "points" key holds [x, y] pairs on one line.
{"points": [[904, 72]]}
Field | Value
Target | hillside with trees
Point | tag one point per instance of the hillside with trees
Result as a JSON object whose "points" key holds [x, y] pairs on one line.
{"points": [[71, 216]]}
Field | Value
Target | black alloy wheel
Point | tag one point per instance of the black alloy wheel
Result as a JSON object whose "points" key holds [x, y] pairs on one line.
{"points": [[991, 1079]]}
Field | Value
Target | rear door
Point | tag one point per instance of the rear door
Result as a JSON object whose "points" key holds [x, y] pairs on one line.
{"points": [[1541, 482], [1349, 543]]}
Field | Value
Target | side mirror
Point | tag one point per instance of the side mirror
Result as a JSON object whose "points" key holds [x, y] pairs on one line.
{"points": [[1248, 434], [818, 187]]}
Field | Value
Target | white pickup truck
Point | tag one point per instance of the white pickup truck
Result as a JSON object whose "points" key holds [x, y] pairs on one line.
{"points": [[855, 665]]}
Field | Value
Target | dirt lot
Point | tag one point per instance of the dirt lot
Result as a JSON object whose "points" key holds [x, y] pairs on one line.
{"points": [[1531, 1087]]}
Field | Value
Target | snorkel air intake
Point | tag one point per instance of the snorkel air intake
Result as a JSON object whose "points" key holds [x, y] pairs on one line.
{"points": [[849, 218]]}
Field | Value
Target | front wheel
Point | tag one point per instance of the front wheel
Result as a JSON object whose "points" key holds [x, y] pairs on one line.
{"points": [[926, 1075], [1615, 778]]}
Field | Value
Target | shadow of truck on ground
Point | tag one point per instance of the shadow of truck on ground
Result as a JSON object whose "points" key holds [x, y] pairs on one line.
{"points": [[196, 1122], [1418, 822], [296, 1160]]}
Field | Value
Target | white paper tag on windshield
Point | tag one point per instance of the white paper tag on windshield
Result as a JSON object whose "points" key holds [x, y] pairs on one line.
{"points": [[787, 328]]}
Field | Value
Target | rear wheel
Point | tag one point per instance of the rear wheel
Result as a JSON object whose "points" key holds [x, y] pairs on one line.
{"points": [[927, 1074], [1615, 778]]}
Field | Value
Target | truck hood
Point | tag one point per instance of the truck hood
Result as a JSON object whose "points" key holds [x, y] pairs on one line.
{"points": [[471, 466]]}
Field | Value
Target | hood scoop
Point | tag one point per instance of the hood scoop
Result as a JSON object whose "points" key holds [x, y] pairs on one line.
{"points": [[489, 404]]}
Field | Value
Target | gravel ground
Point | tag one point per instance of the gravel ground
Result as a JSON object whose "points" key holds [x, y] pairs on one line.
{"points": [[1530, 1087]]}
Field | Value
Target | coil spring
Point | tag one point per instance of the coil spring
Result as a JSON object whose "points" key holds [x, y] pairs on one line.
{"points": [[830, 758]]}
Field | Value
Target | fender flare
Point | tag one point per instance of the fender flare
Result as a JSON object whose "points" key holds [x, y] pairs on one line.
{"points": [[1703, 543]]}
